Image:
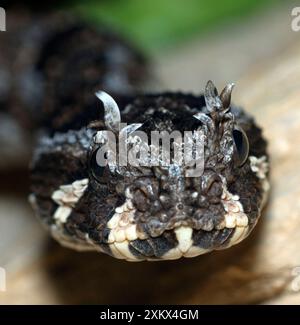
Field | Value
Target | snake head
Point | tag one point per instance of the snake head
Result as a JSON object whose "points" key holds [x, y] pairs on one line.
{"points": [[144, 208]]}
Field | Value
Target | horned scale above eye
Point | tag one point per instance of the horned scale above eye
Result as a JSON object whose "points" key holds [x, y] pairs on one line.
{"points": [[214, 102], [112, 116]]}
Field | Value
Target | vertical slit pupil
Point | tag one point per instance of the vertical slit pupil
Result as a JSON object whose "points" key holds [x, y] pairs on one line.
{"points": [[239, 140], [242, 146]]}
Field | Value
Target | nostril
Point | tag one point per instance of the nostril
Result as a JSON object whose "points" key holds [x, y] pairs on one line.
{"points": [[180, 206]]}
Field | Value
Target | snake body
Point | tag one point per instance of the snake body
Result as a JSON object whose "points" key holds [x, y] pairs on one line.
{"points": [[51, 64], [154, 213]]}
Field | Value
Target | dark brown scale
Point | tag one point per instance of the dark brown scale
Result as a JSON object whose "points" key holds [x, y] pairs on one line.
{"points": [[153, 247], [213, 239]]}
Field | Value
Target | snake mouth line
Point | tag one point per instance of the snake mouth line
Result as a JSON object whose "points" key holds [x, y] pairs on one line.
{"points": [[123, 250], [184, 248]]}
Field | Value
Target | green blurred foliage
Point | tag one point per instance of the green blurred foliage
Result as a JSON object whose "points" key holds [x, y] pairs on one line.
{"points": [[157, 24]]}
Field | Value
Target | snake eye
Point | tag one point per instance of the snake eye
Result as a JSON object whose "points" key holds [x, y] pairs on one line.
{"points": [[97, 164], [241, 147]]}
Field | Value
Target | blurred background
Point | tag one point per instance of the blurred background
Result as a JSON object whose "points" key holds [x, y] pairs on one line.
{"points": [[248, 42]]}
